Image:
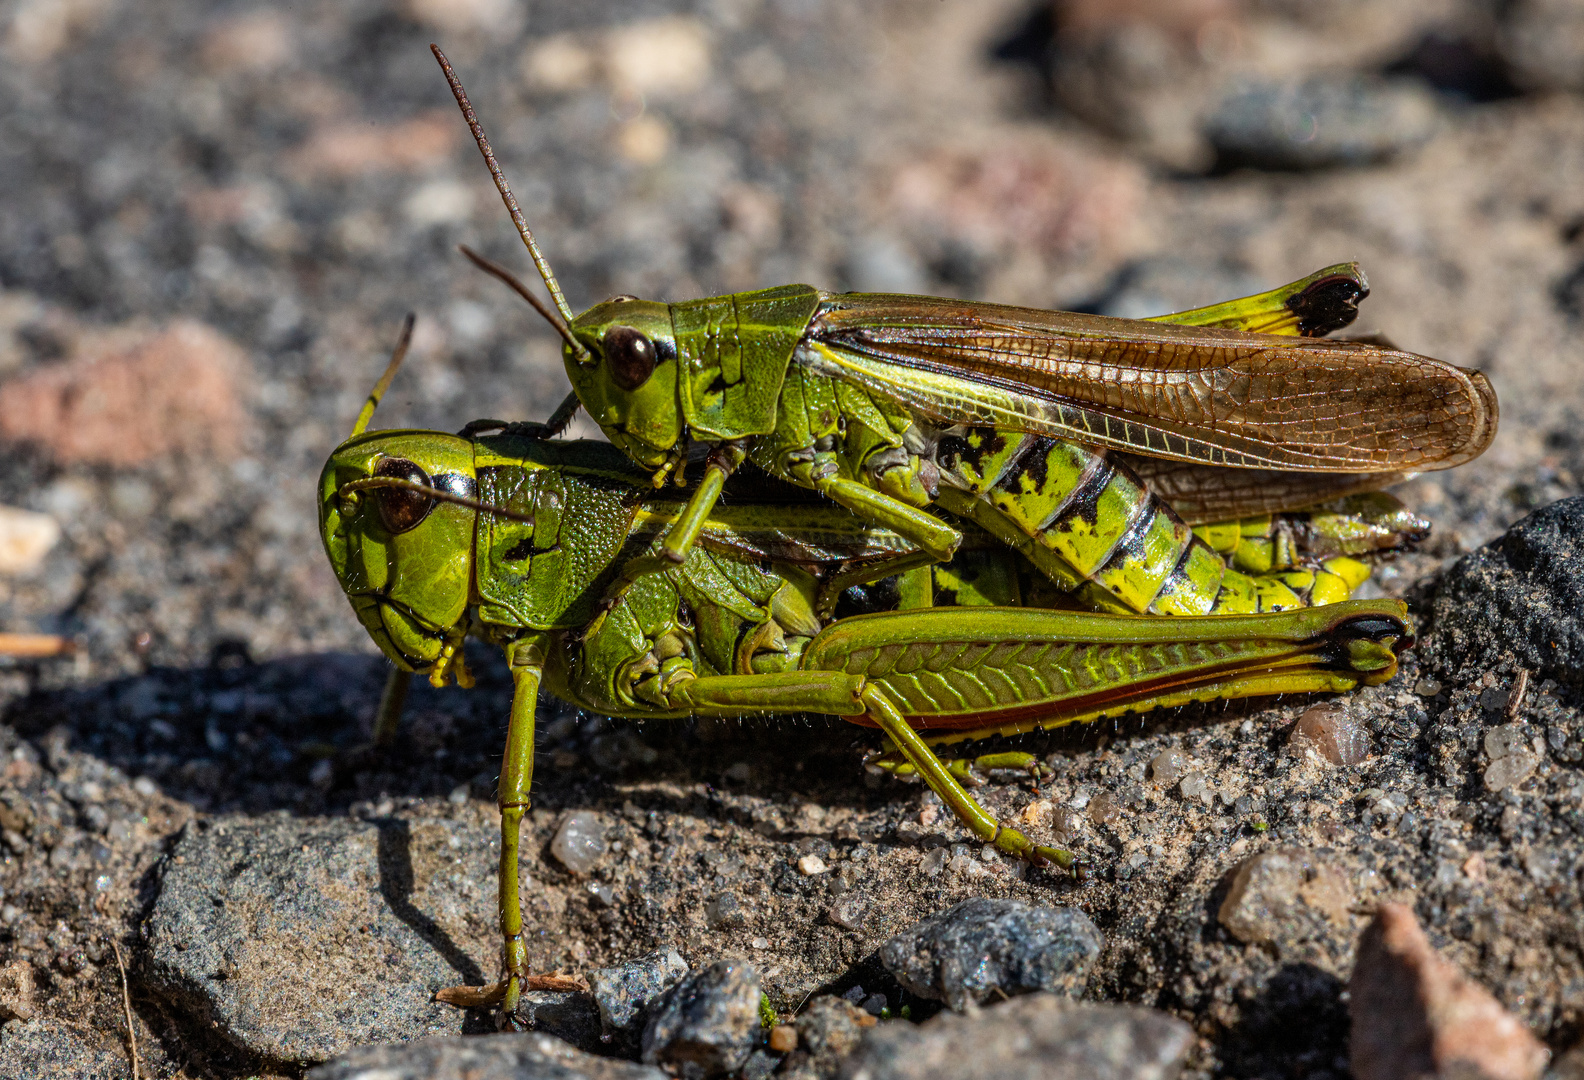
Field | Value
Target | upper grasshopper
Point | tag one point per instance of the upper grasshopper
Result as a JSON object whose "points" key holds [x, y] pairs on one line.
{"points": [[1040, 426]]}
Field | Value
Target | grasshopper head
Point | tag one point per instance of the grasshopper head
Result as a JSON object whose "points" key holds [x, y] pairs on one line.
{"points": [[627, 379], [405, 560]]}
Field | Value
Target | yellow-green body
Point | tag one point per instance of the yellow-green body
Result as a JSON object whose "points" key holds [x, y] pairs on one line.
{"points": [[799, 382]]}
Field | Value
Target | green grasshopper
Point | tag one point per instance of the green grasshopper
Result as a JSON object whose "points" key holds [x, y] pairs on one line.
{"points": [[515, 541], [1062, 434]]}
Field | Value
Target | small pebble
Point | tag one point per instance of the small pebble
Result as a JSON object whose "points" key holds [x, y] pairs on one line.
{"points": [[874, 1004], [1510, 771], [850, 912], [934, 862], [929, 815], [1104, 809], [1195, 786], [1168, 766], [1037, 812], [759, 943], [1427, 687], [810, 865], [1066, 823], [579, 843], [724, 911], [783, 1038], [1333, 733]]}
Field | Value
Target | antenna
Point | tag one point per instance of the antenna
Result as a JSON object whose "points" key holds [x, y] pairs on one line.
{"points": [[385, 380], [505, 189], [495, 269]]}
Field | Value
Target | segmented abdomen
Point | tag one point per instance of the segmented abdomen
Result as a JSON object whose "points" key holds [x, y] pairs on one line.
{"points": [[1089, 523]]}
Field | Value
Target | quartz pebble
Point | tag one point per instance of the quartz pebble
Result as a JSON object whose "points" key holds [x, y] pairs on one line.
{"points": [[579, 843], [1104, 809], [1332, 733], [1513, 759], [1195, 786], [1168, 766]]}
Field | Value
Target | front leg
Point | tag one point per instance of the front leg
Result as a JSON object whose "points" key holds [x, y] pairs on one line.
{"points": [[526, 657], [684, 532]]}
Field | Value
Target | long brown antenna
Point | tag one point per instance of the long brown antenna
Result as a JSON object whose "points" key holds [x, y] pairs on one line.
{"points": [[495, 269], [385, 380], [500, 185]]}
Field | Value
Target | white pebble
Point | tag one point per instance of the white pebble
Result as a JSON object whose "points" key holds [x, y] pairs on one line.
{"points": [[579, 843], [809, 865]]}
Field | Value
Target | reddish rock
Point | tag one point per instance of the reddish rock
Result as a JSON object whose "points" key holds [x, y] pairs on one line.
{"points": [[125, 397], [1416, 1015], [341, 149]]}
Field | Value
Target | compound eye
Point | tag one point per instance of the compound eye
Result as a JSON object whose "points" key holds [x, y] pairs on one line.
{"points": [[631, 356], [399, 508]]}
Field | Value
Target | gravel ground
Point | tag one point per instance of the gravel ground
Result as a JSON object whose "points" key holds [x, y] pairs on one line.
{"points": [[215, 217]]}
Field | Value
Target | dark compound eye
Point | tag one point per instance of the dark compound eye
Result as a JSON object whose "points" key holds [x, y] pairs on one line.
{"points": [[401, 509], [631, 357]]}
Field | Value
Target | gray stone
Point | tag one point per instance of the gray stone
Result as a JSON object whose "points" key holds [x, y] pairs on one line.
{"points": [[1520, 595], [982, 948], [1032, 1038], [624, 994], [298, 939], [1322, 121], [49, 1050], [707, 1024], [1543, 43], [567, 1014], [528, 1056]]}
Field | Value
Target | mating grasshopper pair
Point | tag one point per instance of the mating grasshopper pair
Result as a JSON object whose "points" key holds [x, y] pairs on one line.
{"points": [[1090, 448]]}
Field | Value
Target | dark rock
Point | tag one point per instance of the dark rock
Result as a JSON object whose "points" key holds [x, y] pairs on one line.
{"points": [[625, 994], [568, 1015], [528, 1056], [1042, 1036], [1519, 596], [299, 939], [707, 1024], [1416, 1014], [981, 948], [49, 1050], [1322, 121]]}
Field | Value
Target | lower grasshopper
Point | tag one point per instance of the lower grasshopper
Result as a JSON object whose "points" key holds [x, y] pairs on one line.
{"points": [[514, 540], [1057, 432]]}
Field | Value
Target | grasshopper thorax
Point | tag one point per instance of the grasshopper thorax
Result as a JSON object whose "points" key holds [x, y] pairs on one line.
{"points": [[627, 377], [404, 559]]}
